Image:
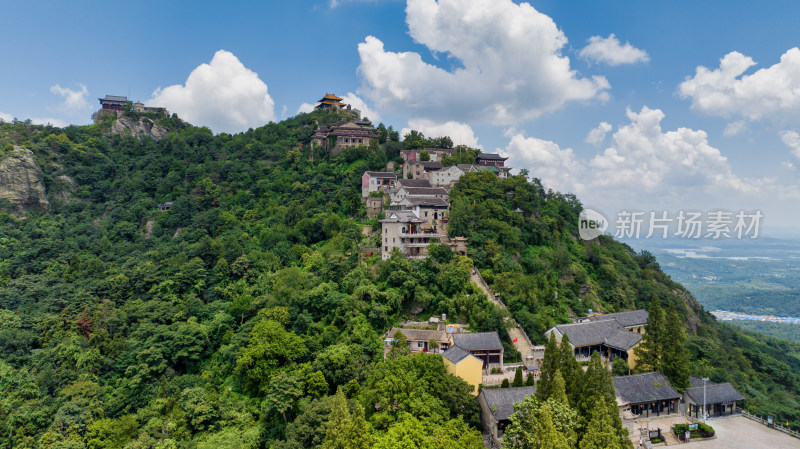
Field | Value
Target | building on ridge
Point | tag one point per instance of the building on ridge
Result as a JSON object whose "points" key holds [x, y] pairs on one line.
{"points": [[330, 101], [404, 230], [340, 135]]}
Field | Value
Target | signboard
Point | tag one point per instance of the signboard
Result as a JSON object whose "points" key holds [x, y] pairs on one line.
{"points": [[686, 436], [769, 421], [692, 426]]}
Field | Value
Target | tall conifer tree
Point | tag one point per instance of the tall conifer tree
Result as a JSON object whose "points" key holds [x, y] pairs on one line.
{"points": [[675, 354], [648, 352]]}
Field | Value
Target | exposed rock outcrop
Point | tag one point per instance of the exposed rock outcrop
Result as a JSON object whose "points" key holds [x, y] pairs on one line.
{"points": [[21, 182], [138, 128]]}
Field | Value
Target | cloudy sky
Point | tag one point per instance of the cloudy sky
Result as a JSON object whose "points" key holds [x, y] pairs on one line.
{"points": [[631, 105]]}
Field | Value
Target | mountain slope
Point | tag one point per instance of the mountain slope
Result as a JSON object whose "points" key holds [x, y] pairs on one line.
{"points": [[215, 328]]}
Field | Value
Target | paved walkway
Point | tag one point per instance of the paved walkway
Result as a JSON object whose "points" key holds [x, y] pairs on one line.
{"points": [[523, 343], [738, 432], [733, 432]]}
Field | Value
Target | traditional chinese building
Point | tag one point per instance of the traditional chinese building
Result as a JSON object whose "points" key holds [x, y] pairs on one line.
{"points": [[490, 159], [330, 101], [113, 103], [340, 135]]}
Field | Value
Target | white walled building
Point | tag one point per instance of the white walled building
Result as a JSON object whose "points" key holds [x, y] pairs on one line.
{"points": [[406, 231]]}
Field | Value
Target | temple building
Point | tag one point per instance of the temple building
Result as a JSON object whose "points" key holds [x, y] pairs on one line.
{"points": [[330, 101], [114, 103], [340, 135]]}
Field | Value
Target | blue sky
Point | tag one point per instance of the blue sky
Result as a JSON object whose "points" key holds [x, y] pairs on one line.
{"points": [[510, 77]]}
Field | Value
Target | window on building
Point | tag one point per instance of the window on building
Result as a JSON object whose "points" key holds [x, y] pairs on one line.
{"points": [[420, 344], [392, 239], [386, 248]]}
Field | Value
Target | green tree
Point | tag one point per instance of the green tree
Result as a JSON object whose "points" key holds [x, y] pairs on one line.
{"points": [[600, 433], [505, 384], [410, 433], [400, 346], [648, 352], [571, 371], [558, 392], [619, 367], [424, 156], [316, 385], [518, 382], [269, 347], [346, 430], [550, 364], [533, 427], [675, 354]]}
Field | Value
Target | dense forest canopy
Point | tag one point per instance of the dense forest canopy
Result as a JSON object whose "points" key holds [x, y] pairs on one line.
{"points": [[245, 316]]}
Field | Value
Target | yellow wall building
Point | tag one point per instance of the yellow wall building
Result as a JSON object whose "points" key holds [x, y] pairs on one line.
{"points": [[461, 363]]}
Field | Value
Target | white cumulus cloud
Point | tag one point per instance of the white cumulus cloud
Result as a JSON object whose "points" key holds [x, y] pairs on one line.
{"points": [[642, 159], [508, 65], [305, 108], [772, 92], [72, 101], [224, 95], [559, 169], [356, 102], [459, 133], [608, 50], [792, 140], [734, 128], [598, 135], [6, 117], [645, 156]]}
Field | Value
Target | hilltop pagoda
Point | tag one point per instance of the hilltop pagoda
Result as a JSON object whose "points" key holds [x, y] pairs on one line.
{"points": [[330, 101]]}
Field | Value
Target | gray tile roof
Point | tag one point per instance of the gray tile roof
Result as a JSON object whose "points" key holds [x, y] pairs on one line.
{"points": [[426, 190], [715, 393], [502, 400], [472, 341], [455, 354], [490, 157], [382, 174], [698, 382], [114, 98], [414, 183], [608, 332], [402, 216], [440, 202], [623, 340], [420, 334], [642, 388], [429, 165], [626, 319]]}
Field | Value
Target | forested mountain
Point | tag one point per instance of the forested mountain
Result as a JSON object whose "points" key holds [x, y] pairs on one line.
{"points": [[233, 319]]}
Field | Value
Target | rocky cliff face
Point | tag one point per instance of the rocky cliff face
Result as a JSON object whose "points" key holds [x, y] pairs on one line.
{"points": [[138, 128], [21, 182]]}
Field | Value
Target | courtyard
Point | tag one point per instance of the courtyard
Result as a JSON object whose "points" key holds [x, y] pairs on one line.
{"points": [[733, 432]]}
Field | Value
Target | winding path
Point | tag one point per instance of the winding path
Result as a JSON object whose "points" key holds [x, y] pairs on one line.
{"points": [[523, 343]]}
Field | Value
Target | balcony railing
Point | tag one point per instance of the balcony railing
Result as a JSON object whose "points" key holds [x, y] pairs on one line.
{"points": [[420, 235], [417, 256]]}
